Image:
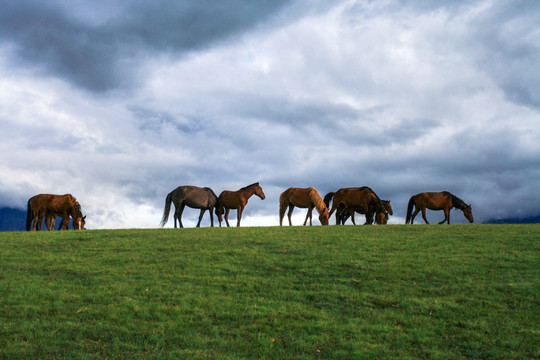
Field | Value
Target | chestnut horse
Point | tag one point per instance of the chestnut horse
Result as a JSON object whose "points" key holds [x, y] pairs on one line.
{"points": [[193, 197], [360, 199], [48, 205], [303, 198], [236, 200], [437, 201]]}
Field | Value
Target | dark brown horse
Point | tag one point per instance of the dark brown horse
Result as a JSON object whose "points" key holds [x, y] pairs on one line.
{"points": [[193, 197], [360, 199], [303, 198], [381, 218], [437, 201], [236, 200], [47, 205]]}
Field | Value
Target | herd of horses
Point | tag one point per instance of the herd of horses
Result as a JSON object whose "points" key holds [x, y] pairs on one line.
{"points": [[344, 202]]}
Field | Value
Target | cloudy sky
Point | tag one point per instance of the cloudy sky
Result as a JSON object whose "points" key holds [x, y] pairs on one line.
{"points": [[118, 103]]}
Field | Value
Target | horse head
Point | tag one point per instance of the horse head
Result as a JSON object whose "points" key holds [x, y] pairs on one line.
{"points": [[259, 191], [79, 219], [467, 211], [388, 207], [381, 218], [323, 216]]}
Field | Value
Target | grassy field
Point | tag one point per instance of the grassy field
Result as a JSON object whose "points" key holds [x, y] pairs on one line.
{"points": [[364, 292]]}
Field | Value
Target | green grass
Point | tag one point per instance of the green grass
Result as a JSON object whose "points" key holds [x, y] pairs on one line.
{"points": [[407, 292]]}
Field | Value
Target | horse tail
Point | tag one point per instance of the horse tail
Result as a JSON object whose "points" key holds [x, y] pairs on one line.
{"points": [[409, 209], [167, 209], [219, 209], [327, 198], [29, 216]]}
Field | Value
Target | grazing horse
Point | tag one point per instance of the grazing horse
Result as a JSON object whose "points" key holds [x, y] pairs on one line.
{"points": [[50, 220], [236, 200], [303, 198], [47, 205], [437, 201], [193, 197], [381, 218], [359, 199]]}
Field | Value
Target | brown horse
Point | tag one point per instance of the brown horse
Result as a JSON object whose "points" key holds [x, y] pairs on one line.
{"points": [[50, 220], [193, 197], [381, 218], [303, 198], [360, 199], [437, 201], [236, 200], [47, 205]]}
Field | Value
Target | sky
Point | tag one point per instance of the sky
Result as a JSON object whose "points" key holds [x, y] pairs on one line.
{"points": [[119, 103]]}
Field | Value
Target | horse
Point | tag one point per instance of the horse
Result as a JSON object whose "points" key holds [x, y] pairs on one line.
{"points": [[437, 201], [361, 199], [193, 197], [381, 218], [45, 205], [236, 200], [50, 219], [303, 198]]}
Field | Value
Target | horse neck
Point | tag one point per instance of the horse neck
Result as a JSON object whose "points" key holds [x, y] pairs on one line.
{"points": [[457, 202], [317, 201], [247, 192]]}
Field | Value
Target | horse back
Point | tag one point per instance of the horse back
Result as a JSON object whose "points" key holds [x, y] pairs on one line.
{"points": [[434, 200], [300, 197]]}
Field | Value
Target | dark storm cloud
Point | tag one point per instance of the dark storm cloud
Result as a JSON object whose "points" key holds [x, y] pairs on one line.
{"points": [[507, 46], [101, 54]]}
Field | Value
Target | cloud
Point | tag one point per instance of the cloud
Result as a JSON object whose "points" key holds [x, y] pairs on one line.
{"points": [[102, 50]]}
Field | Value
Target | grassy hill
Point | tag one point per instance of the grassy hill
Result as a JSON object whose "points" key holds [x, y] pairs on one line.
{"points": [[433, 292]]}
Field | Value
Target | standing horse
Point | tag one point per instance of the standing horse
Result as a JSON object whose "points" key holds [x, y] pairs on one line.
{"points": [[437, 201], [193, 197], [360, 199], [303, 198], [236, 200], [45, 205]]}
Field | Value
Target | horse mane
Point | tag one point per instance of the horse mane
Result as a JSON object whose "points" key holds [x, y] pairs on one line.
{"points": [[254, 184], [456, 202], [317, 200], [211, 191]]}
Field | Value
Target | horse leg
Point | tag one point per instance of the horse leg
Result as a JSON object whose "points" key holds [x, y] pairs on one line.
{"points": [[227, 211], [289, 214], [240, 210], [424, 215], [65, 222], [446, 216], [281, 213], [180, 212], [308, 215], [416, 211], [211, 217], [200, 217], [352, 218]]}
